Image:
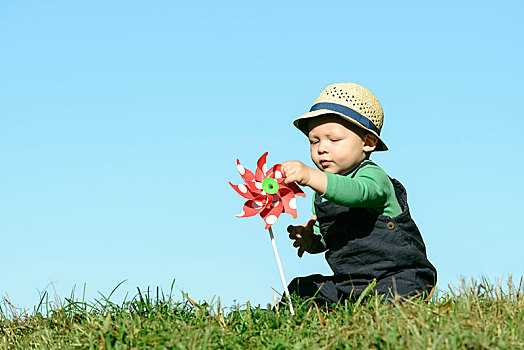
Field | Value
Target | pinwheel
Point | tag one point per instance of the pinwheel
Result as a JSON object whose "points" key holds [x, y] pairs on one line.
{"points": [[268, 195], [266, 192]]}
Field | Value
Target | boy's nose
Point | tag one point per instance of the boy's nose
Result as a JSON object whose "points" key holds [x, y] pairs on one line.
{"points": [[322, 147]]}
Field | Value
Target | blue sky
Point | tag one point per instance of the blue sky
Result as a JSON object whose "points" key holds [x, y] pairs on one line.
{"points": [[121, 123]]}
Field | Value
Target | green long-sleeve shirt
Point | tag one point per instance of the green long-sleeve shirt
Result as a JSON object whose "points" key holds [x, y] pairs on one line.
{"points": [[370, 188]]}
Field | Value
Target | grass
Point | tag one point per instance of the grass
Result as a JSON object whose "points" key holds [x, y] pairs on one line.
{"points": [[474, 316]]}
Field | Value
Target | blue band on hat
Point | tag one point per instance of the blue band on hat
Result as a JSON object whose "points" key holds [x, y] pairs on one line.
{"points": [[348, 112]]}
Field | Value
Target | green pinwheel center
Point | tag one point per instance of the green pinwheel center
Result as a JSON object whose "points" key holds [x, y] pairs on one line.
{"points": [[270, 185]]}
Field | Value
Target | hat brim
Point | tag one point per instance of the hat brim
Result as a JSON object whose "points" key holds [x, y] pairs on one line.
{"points": [[301, 123]]}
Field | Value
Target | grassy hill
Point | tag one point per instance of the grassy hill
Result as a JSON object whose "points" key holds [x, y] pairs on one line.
{"points": [[475, 316]]}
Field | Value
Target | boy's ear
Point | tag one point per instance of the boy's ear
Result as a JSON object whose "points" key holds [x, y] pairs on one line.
{"points": [[370, 142]]}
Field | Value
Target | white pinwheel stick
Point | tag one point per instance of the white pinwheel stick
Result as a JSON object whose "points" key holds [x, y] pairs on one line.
{"points": [[286, 290]]}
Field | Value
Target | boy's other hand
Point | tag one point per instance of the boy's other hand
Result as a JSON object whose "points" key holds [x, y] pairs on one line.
{"points": [[305, 239], [304, 175]]}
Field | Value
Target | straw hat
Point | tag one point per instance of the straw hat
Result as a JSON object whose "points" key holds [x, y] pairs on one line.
{"points": [[351, 102]]}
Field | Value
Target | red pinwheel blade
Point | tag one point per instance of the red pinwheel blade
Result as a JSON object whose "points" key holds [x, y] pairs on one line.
{"points": [[275, 172], [249, 179], [253, 207], [244, 191], [296, 190], [261, 168], [271, 213], [289, 201]]}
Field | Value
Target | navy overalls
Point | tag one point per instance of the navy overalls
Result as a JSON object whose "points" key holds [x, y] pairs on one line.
{"points": [[363, 246]]}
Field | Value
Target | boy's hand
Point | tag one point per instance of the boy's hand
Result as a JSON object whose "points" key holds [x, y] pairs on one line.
{"points": [[304, 175], [296, 171], [305, 239]]}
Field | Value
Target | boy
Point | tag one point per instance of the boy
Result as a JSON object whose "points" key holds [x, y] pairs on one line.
{"points": [[361, 216]]}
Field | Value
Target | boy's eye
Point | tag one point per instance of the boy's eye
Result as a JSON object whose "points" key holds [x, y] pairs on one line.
{"points": [[334, 139], [313, 142]]}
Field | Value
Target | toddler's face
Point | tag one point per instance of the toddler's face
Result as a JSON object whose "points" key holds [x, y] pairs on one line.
{"points": [[335, 148]]}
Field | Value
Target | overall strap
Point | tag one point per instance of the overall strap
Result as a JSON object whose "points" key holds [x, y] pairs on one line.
{"points": [[363, 164]]}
